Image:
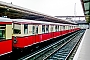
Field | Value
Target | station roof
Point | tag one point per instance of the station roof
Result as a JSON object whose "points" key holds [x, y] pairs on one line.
{"points": [[86, 7], [17, 12]]}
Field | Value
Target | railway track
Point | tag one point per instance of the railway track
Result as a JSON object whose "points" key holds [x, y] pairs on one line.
{"points": [[48, 52], [64, 52]]}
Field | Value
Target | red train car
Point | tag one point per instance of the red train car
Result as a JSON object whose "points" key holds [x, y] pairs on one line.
{"points": [[29, 32], [5, 36]]}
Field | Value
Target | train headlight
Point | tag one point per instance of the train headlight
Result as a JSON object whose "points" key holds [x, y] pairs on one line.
{"points": [[15, 40]]}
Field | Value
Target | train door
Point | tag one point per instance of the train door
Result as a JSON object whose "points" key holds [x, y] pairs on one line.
{"points": [[58, 33], [52, 30], [47, 32], [37, 36], [55, 32], [63, 30], [25, 28], [60, 30], [43, 32], [33, 35], [35, 31]]}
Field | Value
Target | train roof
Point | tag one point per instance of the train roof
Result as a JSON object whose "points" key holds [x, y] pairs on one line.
{"points": [[37, 22], [26, 21], [5, 19]]}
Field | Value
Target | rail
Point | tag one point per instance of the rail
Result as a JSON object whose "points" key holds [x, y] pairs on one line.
{"points": [[64, 52]]}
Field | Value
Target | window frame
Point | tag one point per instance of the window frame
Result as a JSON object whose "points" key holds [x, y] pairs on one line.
{"points": [[43, 29], [14, 27], [33, 30], [24, 28], [3, 29], [47, 28]]}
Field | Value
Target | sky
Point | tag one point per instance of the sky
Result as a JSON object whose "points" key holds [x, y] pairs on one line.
{"points": [[51, 7]]}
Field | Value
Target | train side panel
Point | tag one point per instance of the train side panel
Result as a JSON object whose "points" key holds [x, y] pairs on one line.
{"points": [[5, 47]]}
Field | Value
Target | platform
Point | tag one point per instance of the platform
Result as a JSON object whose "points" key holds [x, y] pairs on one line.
{"points": [[83, 52]]}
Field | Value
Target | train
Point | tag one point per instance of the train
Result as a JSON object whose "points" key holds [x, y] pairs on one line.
{"points": [[22, 33]]}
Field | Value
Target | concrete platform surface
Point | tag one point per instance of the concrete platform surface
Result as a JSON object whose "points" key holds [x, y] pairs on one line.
{"points": [[83, 52]]}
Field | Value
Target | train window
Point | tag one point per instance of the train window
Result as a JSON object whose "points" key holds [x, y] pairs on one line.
{"points": [[66, 27], [58, 27], [43, 28], [2, 31], [55, 28], [33, 29], [47, 28], [63, 27], [17, 28], [25, 28], [51, 28], [36, 29], [70, 27]]}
